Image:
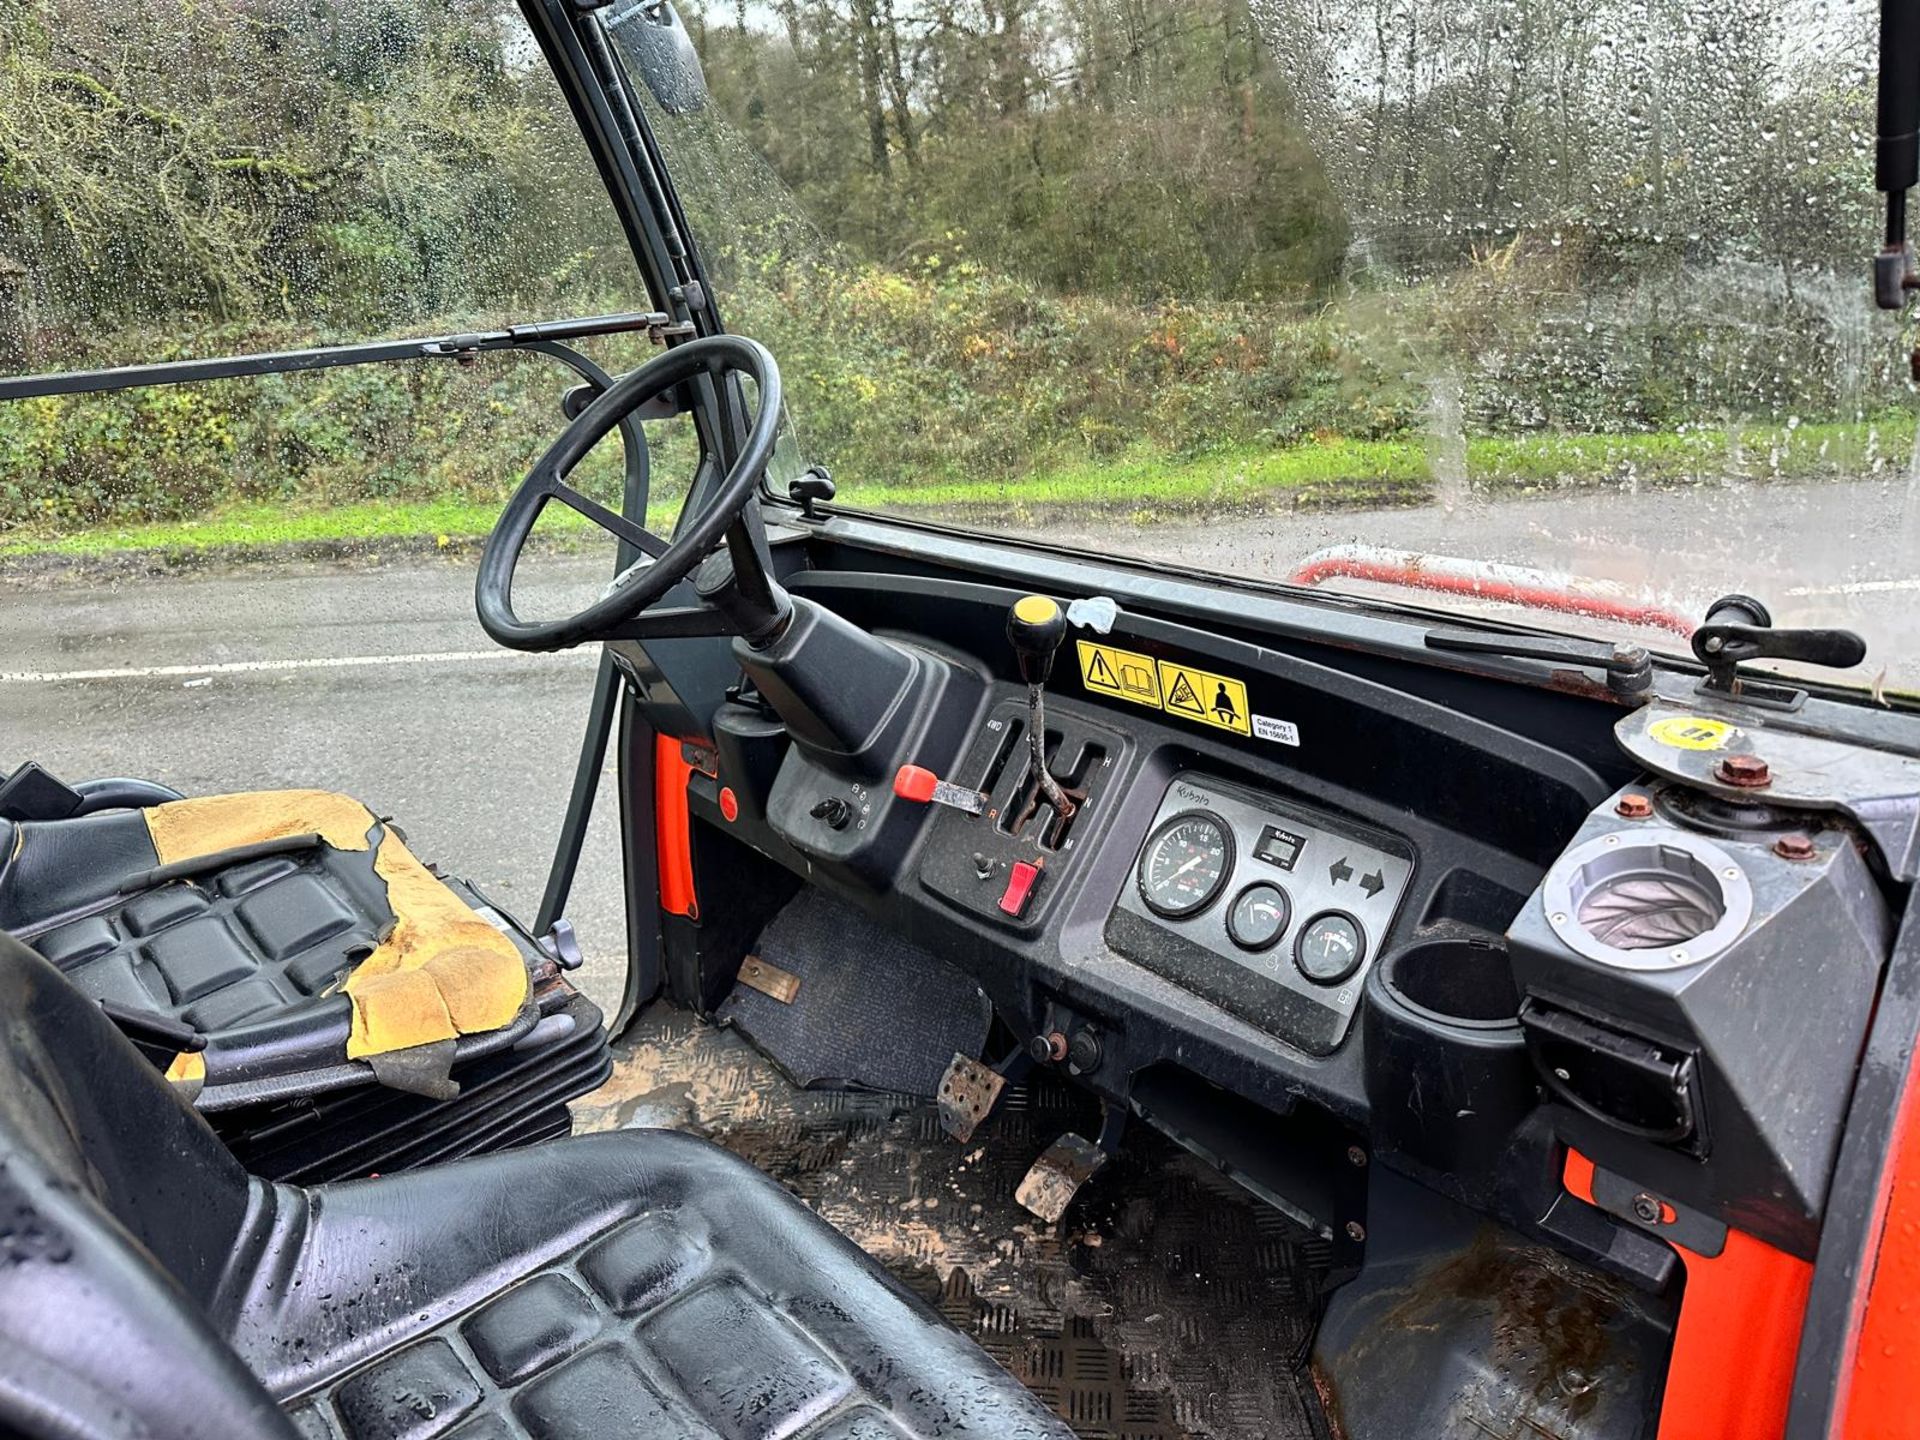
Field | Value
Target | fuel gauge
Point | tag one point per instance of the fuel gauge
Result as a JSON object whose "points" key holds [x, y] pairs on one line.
{"points": [[1330, 948]]}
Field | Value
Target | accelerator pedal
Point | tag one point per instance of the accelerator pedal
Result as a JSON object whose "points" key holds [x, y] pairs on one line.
{"points": [[839, 1002], [1065, 1166]]}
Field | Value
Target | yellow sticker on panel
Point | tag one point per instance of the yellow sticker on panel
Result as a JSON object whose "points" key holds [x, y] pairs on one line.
{"points": [[1216, 700], [1690, 732], [1107, 670]]}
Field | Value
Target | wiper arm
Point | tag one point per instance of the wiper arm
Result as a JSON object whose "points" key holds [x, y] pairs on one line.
{"points": [[1629, 667], [460, 348]]}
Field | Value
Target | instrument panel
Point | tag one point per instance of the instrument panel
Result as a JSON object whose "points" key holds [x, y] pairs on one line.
{"points": [[1268, 909]]}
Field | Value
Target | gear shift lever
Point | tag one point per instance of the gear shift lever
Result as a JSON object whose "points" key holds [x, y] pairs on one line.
{"points": [[1035, 627]]}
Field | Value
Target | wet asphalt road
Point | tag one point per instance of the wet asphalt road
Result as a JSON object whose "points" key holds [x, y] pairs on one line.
{"points": [[1843, 553], [377, 680], [472, 755]]}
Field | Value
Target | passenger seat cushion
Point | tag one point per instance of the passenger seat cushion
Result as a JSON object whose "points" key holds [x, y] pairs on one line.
{"points": [[222, 950], [439, 973]]}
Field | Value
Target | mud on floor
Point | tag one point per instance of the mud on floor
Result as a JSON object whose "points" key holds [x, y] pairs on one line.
{"points": [[1167, 1305]]}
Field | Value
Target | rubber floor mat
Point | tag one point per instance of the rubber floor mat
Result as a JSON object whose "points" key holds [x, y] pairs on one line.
{"points": [[872, 1011], [1167, 1305]]}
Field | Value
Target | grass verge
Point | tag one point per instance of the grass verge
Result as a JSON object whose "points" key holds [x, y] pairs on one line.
{"points": [[1330, 472], [249, 527]]}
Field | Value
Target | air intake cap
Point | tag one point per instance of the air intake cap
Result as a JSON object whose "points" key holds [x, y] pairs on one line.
{"points": [[1647, 899]]}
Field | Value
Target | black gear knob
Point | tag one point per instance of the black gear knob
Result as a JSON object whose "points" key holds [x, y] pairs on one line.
{"points": [[1035, 627]]}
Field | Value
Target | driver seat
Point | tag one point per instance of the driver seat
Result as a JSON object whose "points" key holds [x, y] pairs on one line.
{"points": [[279, 951], [641, 1284]]}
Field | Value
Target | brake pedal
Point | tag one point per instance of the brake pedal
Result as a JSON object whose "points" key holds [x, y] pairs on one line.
{"points": [[1065, 1167]]}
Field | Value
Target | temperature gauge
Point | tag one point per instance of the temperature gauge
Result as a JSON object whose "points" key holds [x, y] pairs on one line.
{"points": [[1259, 916], [1330, 948], [1185, 865]]}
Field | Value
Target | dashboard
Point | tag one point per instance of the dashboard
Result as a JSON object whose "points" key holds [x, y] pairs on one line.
{"points": [[1299, 955], [1272, 911]]}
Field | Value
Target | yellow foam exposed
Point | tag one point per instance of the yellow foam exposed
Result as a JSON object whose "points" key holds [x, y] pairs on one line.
{"points": [[442, 972]]}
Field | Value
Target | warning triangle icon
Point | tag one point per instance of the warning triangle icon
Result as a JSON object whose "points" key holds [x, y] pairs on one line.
{"points": [[1181, 697], [1101, 673]]}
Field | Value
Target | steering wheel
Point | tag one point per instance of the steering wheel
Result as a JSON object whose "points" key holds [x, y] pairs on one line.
{"points": [[664, 563]]}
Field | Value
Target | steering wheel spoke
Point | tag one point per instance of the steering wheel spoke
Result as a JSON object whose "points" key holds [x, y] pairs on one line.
{"points": [[642, 539]]}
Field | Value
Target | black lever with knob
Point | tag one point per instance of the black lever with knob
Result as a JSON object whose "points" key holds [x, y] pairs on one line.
{"points": [[1035, 627], [1739, 628]]}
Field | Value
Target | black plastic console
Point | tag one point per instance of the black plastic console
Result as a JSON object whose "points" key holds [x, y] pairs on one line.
{"points": [[1670, 976], [971, 858]]}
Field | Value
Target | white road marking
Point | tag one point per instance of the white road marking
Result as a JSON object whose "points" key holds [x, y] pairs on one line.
{"points": [[258, 667], [1857, 587]]}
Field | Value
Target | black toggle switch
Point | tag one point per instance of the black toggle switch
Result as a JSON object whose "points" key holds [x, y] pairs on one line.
{"points": [[835, 811]]}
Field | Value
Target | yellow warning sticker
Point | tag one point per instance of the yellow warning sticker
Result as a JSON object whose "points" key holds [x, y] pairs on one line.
{"points": [[1215, 700], [1690, 732], [1108, 670], [1183, 690]]}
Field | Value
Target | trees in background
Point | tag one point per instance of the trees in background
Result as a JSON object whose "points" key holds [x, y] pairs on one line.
{"points": [[1108, 146], [349, 168], [988, 236], [1232, 148]]}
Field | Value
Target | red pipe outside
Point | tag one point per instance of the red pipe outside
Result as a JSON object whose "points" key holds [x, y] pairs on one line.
{"points": [[1512, 585]]}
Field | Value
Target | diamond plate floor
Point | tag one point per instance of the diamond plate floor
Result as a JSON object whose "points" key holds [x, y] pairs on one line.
{"points": [[1167, 1305]]}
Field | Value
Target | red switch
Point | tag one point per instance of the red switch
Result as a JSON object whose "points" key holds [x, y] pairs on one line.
{"points": [[1020, 882]]}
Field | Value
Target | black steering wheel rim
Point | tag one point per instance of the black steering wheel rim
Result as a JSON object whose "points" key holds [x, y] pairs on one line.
{"points": [[641, 586]]}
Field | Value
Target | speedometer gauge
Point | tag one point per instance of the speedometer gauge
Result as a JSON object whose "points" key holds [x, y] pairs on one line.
{"points": [[1185, 865]]}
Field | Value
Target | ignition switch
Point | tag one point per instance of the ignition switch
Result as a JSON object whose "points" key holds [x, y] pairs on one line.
{"points": [[835, 811], [1048, 1049]]}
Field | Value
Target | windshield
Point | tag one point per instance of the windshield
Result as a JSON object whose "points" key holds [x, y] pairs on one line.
{"points": [[1565, 302]]}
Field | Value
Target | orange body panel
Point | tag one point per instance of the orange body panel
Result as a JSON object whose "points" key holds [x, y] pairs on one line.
{"points": [[1731, 1375], [1877, 1399], [673, 828]]}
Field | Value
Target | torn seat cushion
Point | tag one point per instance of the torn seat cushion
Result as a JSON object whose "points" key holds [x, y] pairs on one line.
{"points": [[354, 911], [641, 1284]]}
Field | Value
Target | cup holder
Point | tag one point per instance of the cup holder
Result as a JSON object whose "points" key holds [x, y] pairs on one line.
{"points": [[1448, 1076], [1457, 981]]}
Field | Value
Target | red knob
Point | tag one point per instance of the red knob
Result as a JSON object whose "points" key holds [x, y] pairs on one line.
{"points": [[916, 783]]}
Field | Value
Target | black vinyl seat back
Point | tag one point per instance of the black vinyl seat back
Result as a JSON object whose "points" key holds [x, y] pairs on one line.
{"points": [[641, 1284], [119, 1210]]}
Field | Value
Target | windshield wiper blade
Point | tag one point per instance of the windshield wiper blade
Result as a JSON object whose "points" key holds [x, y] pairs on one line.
{"points": [[1629, 668]]}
